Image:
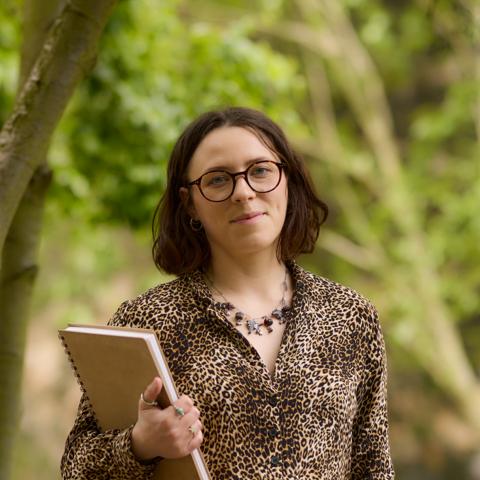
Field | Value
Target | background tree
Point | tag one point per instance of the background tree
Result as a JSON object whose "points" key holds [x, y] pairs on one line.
{"points": [[47, 79]]}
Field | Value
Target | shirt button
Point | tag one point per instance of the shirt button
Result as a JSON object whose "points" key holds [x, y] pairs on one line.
{"points": [[275, 461], [272, 432], [272, 401]]}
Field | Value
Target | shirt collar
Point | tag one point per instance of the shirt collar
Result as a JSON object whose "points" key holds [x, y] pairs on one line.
{"points": [[302, 282]]}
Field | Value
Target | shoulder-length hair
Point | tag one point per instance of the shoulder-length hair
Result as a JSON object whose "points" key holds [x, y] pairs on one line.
{"points": [[178, 249]]}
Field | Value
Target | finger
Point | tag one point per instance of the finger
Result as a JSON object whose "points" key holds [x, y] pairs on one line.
{"points": [[185, 401], [192, 431], [183, 404], [151, 393], [194, 428], [191, 417], [195, 441]]}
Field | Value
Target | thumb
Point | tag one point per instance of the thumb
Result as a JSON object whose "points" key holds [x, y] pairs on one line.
{"points": [[151, 393]]}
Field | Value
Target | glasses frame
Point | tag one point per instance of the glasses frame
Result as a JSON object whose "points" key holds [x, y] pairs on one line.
{"points": [[233, 176]]}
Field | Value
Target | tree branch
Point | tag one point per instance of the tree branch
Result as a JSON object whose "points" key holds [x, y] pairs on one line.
{"points": [[360, 257], [327, 146], [339, 162]]}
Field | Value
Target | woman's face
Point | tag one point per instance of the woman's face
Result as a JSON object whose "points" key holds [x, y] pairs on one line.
{"points": [[248, 222]]}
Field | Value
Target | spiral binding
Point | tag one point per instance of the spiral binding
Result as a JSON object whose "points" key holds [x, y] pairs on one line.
{"points": [[77, 375]]}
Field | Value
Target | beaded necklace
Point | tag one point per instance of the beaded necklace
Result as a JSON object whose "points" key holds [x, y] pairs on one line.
{"points": [[279, 313]]}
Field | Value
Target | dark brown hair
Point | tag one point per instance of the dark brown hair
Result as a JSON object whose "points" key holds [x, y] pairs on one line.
{"points": [[178, 249]]}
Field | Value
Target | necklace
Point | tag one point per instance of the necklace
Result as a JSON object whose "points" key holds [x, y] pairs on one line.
{"points": [[279, 313]]}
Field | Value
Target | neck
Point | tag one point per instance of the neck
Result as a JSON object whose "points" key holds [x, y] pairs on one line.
{"points": [[256, 275], [255, 292]]}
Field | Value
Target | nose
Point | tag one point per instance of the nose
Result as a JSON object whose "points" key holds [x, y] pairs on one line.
{"points": [[242, 190]]}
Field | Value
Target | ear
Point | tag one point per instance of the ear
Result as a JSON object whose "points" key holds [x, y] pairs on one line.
{"points": [[187, 202]]}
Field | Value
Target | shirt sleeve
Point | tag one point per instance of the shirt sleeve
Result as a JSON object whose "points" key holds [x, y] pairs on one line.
{"points": [[370, 447], [90, 453]]}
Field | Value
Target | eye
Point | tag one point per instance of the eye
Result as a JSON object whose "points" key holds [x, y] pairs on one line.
{"points": [[259, 171], [216, 179]]}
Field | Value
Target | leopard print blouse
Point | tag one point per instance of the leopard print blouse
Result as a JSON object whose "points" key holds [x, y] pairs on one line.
{"points": [[321, 416]]}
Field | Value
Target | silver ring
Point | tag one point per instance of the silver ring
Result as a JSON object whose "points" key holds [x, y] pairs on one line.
{"points": [[192, 429], [179, 411], [146, 402]]}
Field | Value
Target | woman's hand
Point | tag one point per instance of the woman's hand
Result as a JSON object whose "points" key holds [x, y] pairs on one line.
{"points": [[164, 433]]}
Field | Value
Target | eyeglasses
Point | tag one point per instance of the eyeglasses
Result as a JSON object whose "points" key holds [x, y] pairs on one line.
{"points": [[219, 185]]}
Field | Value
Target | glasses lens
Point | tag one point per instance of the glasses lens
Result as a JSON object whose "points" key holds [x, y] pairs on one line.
{"points": [[263, 176], [216, 186]]}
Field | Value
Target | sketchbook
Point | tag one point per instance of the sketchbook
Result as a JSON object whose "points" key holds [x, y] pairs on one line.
{"points": [[113, 365]]}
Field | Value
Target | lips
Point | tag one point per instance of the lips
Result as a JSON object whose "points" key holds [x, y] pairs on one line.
{"points": [[246, 216]]}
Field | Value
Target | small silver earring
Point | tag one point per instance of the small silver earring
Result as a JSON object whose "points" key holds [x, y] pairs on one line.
{"points": [[195, 225]]}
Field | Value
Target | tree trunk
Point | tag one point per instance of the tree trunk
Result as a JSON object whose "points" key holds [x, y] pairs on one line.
{"points": [[16, 285], [68, 52]]}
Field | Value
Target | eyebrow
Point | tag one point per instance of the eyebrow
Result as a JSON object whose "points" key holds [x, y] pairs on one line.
{"points": [[248, 163]]}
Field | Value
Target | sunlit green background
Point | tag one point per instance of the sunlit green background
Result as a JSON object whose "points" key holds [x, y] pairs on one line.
{"points": [[381, 97]]}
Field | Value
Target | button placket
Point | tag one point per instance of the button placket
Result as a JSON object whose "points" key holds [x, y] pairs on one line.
{"points": [[273, 431]]}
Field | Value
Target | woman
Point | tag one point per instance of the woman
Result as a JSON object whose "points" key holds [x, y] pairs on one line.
{"points": [[283, 372]]}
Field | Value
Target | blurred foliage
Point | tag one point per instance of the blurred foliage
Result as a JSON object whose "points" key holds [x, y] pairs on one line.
{"points": [[163, 63], [112, 148], [432, 87]]}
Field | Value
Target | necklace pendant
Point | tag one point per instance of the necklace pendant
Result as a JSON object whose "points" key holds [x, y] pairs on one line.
{"points": [[228, 307], [267, 323], [239, 316], [253, 326], [277, 313]]}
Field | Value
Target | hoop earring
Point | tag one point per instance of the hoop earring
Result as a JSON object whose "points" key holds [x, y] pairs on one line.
{"points": [[196, 225]]}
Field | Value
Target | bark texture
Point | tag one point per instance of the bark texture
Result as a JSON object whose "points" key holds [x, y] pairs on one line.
{"points": [[16, 284]]}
